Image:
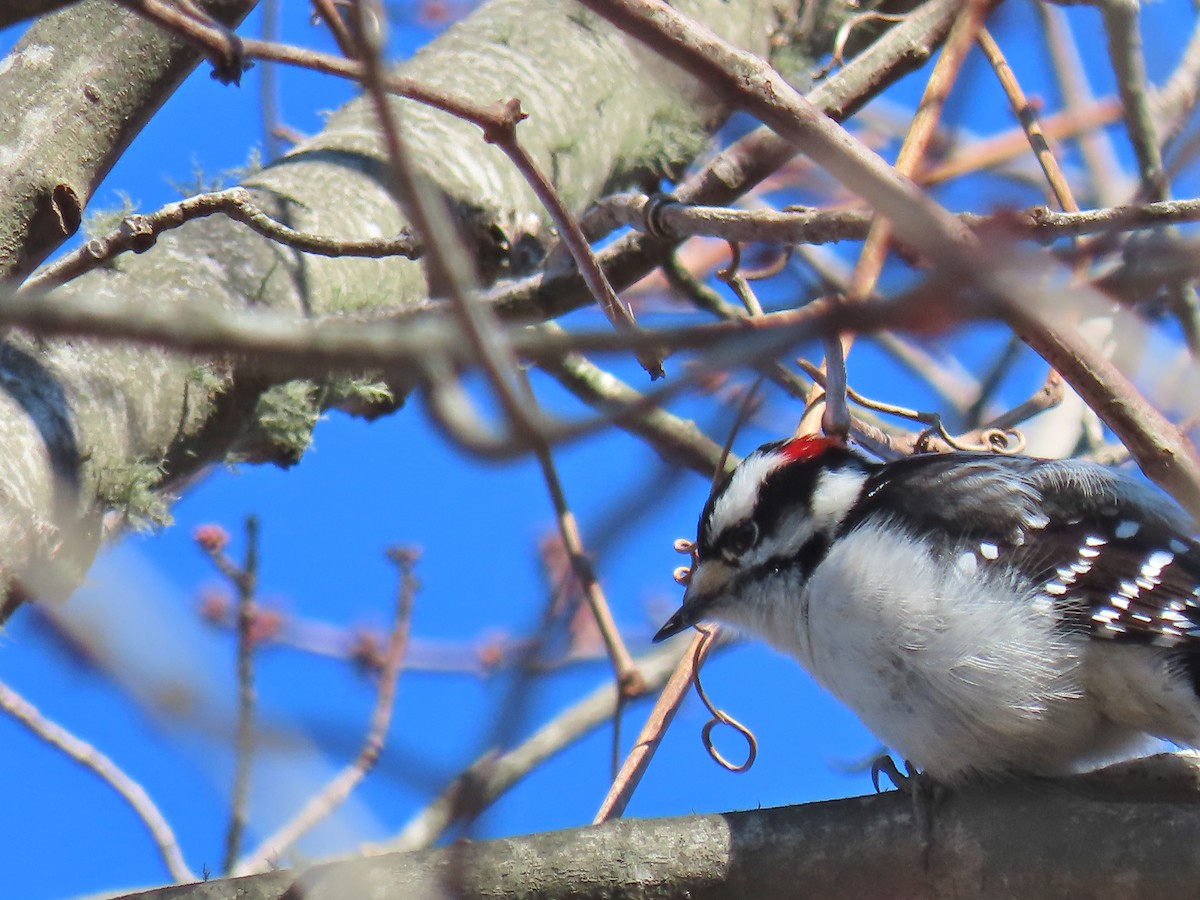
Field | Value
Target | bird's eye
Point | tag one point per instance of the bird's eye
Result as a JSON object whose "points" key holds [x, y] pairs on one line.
{"points": [[741, 537]]}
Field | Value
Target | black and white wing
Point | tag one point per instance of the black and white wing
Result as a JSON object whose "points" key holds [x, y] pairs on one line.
{"points": [[1115, 557]]}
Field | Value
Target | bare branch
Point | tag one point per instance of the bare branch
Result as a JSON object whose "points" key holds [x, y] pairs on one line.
{"points": [[138, 233], [95, 761], [122, 70], [655, 728], [341, 785], [492, 774]]}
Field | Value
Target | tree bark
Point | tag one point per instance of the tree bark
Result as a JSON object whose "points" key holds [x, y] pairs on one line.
{"points": [[1124, 833], [75, 90]]}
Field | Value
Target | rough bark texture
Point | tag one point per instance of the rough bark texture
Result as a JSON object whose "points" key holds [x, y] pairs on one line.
{"points": [[1127, 833], [77, 88]]}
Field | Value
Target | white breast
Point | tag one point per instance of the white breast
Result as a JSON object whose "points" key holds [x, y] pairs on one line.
{"points": [[942, 666]]}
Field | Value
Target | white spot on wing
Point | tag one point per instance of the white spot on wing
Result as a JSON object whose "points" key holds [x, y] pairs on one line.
{"points": [[966, 563], [1159, 560], [1126, 529], [988, 550]]}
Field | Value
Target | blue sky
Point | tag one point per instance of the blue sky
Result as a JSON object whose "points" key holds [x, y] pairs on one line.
{"points": [[364, 486]]}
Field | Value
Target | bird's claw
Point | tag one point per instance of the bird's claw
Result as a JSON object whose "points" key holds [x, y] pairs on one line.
{"points": [[905, 781]]}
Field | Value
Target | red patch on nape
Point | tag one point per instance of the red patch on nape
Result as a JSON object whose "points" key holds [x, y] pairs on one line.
{"points": [[807, 446]]}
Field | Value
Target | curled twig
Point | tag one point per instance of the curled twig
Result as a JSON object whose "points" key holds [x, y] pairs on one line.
{"points": [[683, 574], [719, 716]]}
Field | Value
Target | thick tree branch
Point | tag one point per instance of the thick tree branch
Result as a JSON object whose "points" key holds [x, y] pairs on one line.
{"points": [[744, 164], [1044, 840], [97, 73]]}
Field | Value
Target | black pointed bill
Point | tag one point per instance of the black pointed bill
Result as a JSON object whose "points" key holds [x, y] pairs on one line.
{"points": [[681, 621], [705, 589]]}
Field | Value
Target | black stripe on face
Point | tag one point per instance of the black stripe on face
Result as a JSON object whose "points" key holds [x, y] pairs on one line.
{"points": [[804, 561], [808, 557]]}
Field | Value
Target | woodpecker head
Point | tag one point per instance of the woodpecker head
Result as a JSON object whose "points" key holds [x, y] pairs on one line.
{"points": [[772, 517]]}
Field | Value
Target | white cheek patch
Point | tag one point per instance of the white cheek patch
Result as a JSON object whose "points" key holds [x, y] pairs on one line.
{"points": [[836, 492]]}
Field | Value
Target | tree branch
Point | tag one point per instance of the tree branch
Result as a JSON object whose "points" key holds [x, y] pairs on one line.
{"points": [[1040, 841], [121, 70]]}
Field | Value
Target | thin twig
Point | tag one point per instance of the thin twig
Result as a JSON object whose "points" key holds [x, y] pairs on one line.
{"points": [[245, 583], [268, 87], [678, 441], [571, 234], [138, 233], [96, 762], [224, 47], [656, 726], [995, 373], [917, 140], [1027, 116], [485, 780], [992, 152], [1177, 99], [824, 226], [335, 792], [327, 11], [956, 386], [627, 673], [835, 419], [1052, 390], [1123, 30], [1095, 146], [450, 266]]}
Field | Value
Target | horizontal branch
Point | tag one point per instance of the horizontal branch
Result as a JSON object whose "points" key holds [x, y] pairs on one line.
{"points": [[138, 233], [821, 226], [1117, 834], [406, 345]]}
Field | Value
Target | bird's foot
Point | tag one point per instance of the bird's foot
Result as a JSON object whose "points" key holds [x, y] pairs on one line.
{"points": [[905, 781], [920, 787]]}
